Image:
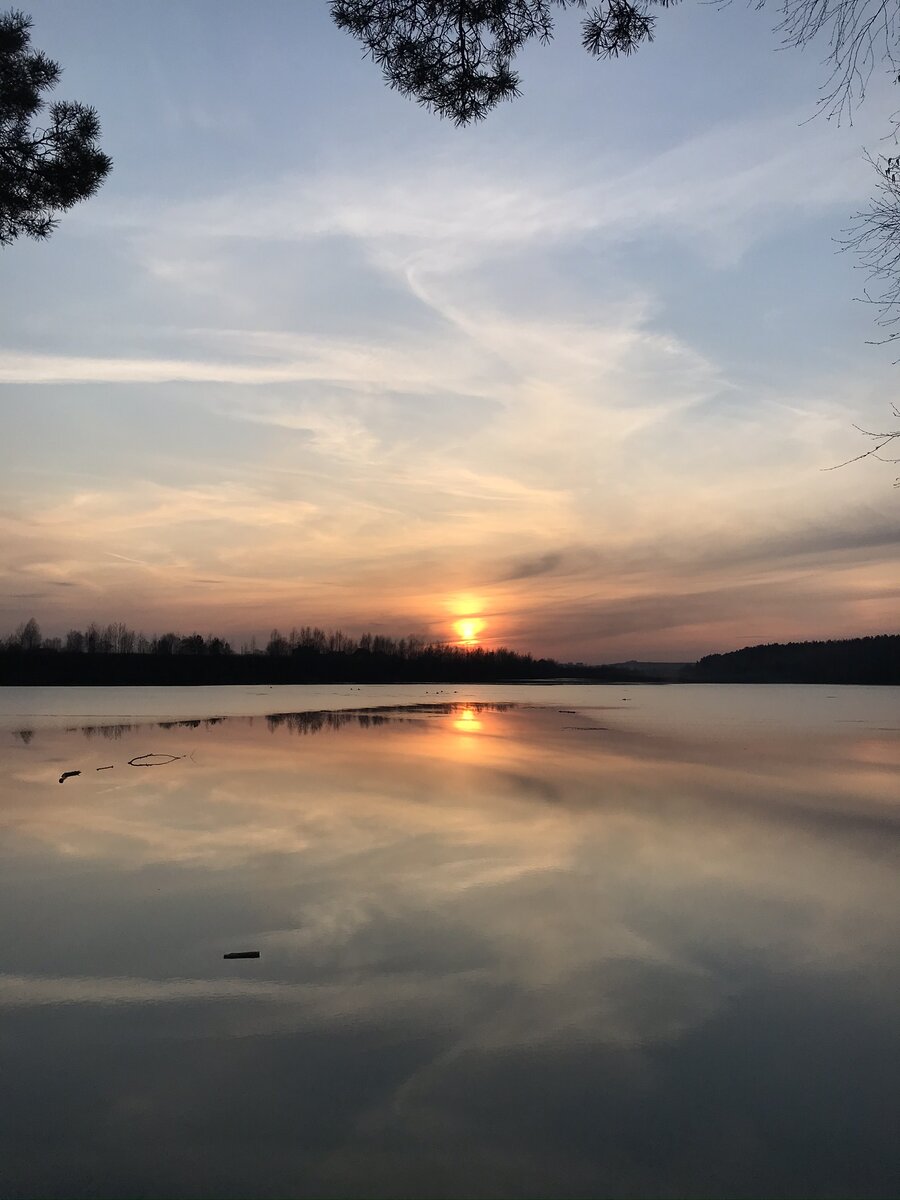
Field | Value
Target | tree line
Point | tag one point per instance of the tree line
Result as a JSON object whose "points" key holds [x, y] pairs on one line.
{"points": [[115, 638], [118, 638], [114, 655], [866, 660]]}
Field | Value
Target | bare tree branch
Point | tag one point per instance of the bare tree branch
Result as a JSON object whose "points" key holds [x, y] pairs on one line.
{"points": [[881, 440], [861, 35]]}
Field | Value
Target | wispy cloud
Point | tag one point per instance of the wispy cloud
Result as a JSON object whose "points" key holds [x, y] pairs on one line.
{"points": [[715, 185], [455, 371]]}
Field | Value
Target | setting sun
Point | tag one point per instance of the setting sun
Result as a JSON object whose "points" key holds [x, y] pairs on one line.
{"points": [[468, 629]]}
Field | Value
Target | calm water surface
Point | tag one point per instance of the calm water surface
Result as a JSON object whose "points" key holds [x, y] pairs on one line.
{"points": [[513, 942]]}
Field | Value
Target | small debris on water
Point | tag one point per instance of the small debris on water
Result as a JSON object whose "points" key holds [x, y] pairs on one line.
{"points": [[109, 768], [162, 760], [242, 954], [67, 775]]}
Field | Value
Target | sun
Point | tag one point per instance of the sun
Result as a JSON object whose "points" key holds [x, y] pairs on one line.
{"points": [[468, 629]]}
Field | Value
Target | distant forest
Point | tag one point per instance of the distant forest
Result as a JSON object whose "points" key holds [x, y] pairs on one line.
{"points": [[115, 655], [867, 660]]}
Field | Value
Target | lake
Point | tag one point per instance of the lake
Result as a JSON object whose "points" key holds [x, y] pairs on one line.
{"points": [[514, 941]]}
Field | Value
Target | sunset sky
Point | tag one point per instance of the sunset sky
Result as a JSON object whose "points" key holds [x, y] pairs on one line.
{"points": [[313, 355]]}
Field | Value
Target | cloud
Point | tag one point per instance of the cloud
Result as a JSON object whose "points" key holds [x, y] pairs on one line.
{"points": [[716, 185], [503, 408], [544, 564], [855, 534]]}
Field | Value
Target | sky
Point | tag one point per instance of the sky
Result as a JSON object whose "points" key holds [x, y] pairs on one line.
{"points": [[314, 356]]}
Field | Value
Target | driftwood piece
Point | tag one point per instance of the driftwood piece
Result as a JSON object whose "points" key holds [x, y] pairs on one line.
{"points": [[166, 759], [242, 954], [67, 775]]}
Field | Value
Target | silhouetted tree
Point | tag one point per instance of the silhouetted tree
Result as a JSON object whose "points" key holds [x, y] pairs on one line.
{"points": [[860, 34], [28, 635], [126, 639], [455, 56], [277, 645], [75, 641], [875, 235], [312, 640], [43, 170], [339, 643], [167, 644]]}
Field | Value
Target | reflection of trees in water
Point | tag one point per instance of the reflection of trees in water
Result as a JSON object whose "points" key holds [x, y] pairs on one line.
{"points": [[110, 733], [315, 722], [114, 732], [300, 722], [370, 718]]}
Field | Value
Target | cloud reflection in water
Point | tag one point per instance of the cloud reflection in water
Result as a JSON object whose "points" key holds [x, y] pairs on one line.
{"points": [[566, 956]]}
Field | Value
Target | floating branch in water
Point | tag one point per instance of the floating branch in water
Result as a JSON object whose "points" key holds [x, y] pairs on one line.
{"points": [[162, 760], [242, 954], [67, 775]]}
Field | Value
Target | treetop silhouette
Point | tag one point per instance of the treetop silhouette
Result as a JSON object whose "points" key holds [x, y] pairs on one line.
{"points": [[43, 170], [455, 56]]}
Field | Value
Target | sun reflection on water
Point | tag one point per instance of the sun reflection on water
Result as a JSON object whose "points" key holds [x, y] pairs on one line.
{"points": [[467, 722]]}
